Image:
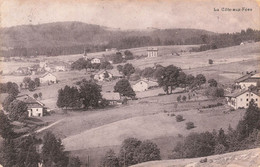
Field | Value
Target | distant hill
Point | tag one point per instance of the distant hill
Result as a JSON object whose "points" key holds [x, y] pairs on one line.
{"points": [[68, 34]]}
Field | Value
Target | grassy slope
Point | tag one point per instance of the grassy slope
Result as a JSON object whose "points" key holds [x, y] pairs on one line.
{"points": [[235, 159]]}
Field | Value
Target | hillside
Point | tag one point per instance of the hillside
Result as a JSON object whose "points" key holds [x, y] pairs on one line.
{"points": [[235, 159], [78, 33]]}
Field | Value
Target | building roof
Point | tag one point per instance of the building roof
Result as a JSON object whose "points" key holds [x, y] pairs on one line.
{"points": [[31, 102], [152, 49], [236, 94], [257, 76], [250, 75], [113, 96], [149, 82], [47, 74], [244, 77]]}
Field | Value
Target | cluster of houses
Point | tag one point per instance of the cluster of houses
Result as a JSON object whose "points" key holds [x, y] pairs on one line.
{"points": [[42, 67], [249, 89]]}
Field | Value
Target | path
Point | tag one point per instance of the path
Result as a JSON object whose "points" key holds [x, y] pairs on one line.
{"points": [[44, 128]]}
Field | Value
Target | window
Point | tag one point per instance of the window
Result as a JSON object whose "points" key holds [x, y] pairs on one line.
{"points": [[241, 99], [246, 99], [246, 94], [251, 94], [246, 104], [255, 99]]}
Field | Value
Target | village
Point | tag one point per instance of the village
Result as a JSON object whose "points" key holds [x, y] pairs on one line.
{"points": [[225, 96]]}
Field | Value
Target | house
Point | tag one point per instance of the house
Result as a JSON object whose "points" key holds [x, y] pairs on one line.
{"points": [[242, 98], [34, 107], [113, 97], [152, 52], [247, 80], [23, 71], [103, 75], [48, 78], [143, 85], [95, 60]]}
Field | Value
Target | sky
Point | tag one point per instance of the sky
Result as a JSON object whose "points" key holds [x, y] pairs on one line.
{"points": [[135, 14]]}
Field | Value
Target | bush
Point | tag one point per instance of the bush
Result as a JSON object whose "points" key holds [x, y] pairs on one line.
{"points": [[210, 61], [190, 125], [172, 115], [179, 98], [184, 98], [179, 118]]}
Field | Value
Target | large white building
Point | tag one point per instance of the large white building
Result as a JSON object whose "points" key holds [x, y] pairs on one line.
{"points": [[95, 60], [143, 85], [48, 78], [152, 52], [242, 98]]}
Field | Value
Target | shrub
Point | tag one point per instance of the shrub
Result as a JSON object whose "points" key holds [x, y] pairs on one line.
{"points": [[210, 61], [190, 125], [179, 98], [179, 118], [172, 115], [184, 98]]}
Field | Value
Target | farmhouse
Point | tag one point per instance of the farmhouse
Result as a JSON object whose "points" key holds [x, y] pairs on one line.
{"points": [[103, 75], [34, 107], [113, 97], [48, 78], [242, 98], [143, 85], [152, 52], [247, 80], [95, 60], [23, 71]]}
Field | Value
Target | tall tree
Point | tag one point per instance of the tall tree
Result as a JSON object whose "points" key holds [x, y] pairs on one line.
{"points": [[9, 153], [37, 82], [6, 130], [31, 85], [90, 93], [7, 101], [200, 79], [68, 97], [250, 121], [110, 159], [128, 69], [12, 88], [27, 156], [124, 88], [53, 151], [127, 150], [147, 151], [169, 78], [17, 110], [74, 162]]}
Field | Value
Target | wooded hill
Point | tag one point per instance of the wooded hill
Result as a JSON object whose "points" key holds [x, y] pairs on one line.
{"points": [[73, 37]]}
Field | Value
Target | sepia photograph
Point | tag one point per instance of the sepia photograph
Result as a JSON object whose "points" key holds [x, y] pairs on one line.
{"points": [[120, 83]]}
